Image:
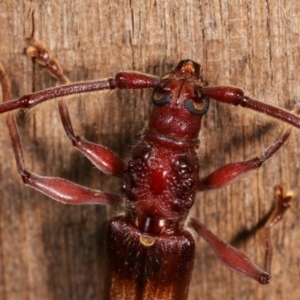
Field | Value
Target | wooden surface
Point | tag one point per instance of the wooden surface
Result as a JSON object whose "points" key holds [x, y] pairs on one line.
{"points": [[53, 251]]}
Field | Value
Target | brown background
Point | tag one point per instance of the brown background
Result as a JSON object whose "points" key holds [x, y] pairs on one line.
{"points": [[53, 251]]}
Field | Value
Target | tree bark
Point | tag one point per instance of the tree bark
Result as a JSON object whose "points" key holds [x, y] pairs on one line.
{"points": [[54, 251]]}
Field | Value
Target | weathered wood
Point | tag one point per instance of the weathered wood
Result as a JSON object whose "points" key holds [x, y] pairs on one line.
{"points": [[52, 251]]}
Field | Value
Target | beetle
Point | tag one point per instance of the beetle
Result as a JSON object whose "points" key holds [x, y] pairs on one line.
{"points": [[151, 253]]}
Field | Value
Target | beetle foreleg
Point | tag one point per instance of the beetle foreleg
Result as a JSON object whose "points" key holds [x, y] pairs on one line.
{"points": [[229, 173], [103, 158]]}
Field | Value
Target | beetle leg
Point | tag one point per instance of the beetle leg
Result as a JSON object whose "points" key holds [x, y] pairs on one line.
{"points": [[282, 203], [229, 173], [57, 188], [103, 158], [230, 256], [237, 260], [42, 55]]}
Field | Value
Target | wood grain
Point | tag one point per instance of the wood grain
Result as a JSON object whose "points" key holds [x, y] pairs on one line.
{"points": [[53, 251]]}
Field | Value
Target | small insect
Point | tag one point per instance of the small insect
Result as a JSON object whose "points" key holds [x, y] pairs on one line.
{"points": [[150, 251]]}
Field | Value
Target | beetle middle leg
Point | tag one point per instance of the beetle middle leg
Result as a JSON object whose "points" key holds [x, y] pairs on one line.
{"points": [[237, 260], [282, 203], [57, 188], [225, 175]]}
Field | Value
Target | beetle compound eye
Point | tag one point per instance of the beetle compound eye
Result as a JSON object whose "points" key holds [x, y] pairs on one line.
{"points": [[197, 108], [160, 99]]}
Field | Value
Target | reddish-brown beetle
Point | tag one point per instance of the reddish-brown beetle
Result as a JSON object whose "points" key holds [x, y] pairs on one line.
{"points": [[151, 253]]}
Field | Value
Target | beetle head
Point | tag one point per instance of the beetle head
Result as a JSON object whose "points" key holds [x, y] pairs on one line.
{"points": [[188, 69], [178, 103]]}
